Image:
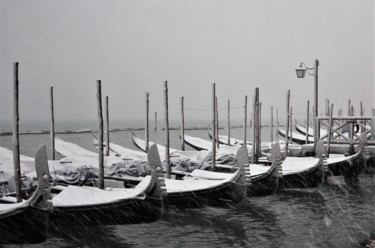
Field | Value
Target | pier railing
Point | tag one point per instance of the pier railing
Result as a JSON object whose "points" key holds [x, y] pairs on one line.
{"points": [[346, 130]]}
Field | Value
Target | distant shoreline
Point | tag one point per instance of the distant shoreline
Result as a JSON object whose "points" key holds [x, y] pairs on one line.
{"points": [[127, 129]]}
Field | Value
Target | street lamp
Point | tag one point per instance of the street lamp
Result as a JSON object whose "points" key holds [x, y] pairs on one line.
{"points": [[301, 71]]}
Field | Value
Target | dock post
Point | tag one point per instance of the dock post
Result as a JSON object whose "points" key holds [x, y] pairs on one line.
{"points": [[16, 137], [107, 126], [156, 121], [100, 132], [271, 124], [182, 125], [147, 122], [245, 122], [228, 119], [291, 125], [307, 121], [329, 131], [52, 125], [217, 123], [213, 126], [287, 123], [167, 162]]}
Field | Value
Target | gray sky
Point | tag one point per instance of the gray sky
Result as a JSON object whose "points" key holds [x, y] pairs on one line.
{"points": [[133, 46]]}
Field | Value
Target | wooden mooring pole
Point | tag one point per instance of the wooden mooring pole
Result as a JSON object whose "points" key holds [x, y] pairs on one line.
{"points": [[213, 126], [255, 127], [245, 122], [100, 132], [307, 121], [271, 124], [287, 123], [156, 121], [291, 125], [147, 133], [228, 119], [16, 137], [52, 125], [217, 123], [182, 125], [329, 131], [168, 164], [107, 141]]}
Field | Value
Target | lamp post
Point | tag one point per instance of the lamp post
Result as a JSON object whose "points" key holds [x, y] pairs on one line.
{"points": [[301, 71]]}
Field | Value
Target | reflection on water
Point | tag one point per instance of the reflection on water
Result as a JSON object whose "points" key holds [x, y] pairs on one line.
{"points": [[340, 213]]}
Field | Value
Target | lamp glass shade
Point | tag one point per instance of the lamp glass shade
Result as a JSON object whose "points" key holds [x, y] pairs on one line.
{"points": [[300, 72]]}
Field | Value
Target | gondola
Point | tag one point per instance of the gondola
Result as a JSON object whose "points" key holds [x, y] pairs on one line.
{"points": [[197, 189], [117, 203], [296, 137], [204, 188], [349, 166], [264, 178], [26, 222], [303, 172]]}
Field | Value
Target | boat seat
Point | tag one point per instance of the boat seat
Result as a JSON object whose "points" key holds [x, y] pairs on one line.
{"points": [[109, 183], [8, 199]]}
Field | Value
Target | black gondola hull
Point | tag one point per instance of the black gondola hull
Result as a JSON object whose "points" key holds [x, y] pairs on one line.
{"points": [[225, 195], [265, 185], [129, 211], [308, 179]]}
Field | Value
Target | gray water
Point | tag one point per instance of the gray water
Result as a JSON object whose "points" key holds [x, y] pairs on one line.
{"points": [[339, 214]]}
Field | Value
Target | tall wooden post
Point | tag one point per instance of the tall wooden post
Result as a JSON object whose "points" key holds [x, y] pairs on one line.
{"points": [[147, 134], [52, 125], [245, 122], [100, 132], [156, 121], [15, 138], [307, 121], [287, 123], [213, 126], [253, 147], [228, 118], [291, 125], [258, 133], [168, 164], [362, 112], [217, 123], [107, 141], [256, 127], [271, 124], [329, 131], [182, 125], [277, 118]]}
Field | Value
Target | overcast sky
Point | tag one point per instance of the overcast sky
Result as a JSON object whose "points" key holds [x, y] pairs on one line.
{"points": [[134, 46]]}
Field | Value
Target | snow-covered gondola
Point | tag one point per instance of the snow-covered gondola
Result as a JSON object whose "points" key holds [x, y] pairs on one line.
{"points": [[303, 172], [117, 203], [264, 178], [196, 189], [204, 188], [25, 222]]}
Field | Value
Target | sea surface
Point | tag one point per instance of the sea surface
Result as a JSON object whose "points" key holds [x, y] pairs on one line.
{"points": [[338, 214]]}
